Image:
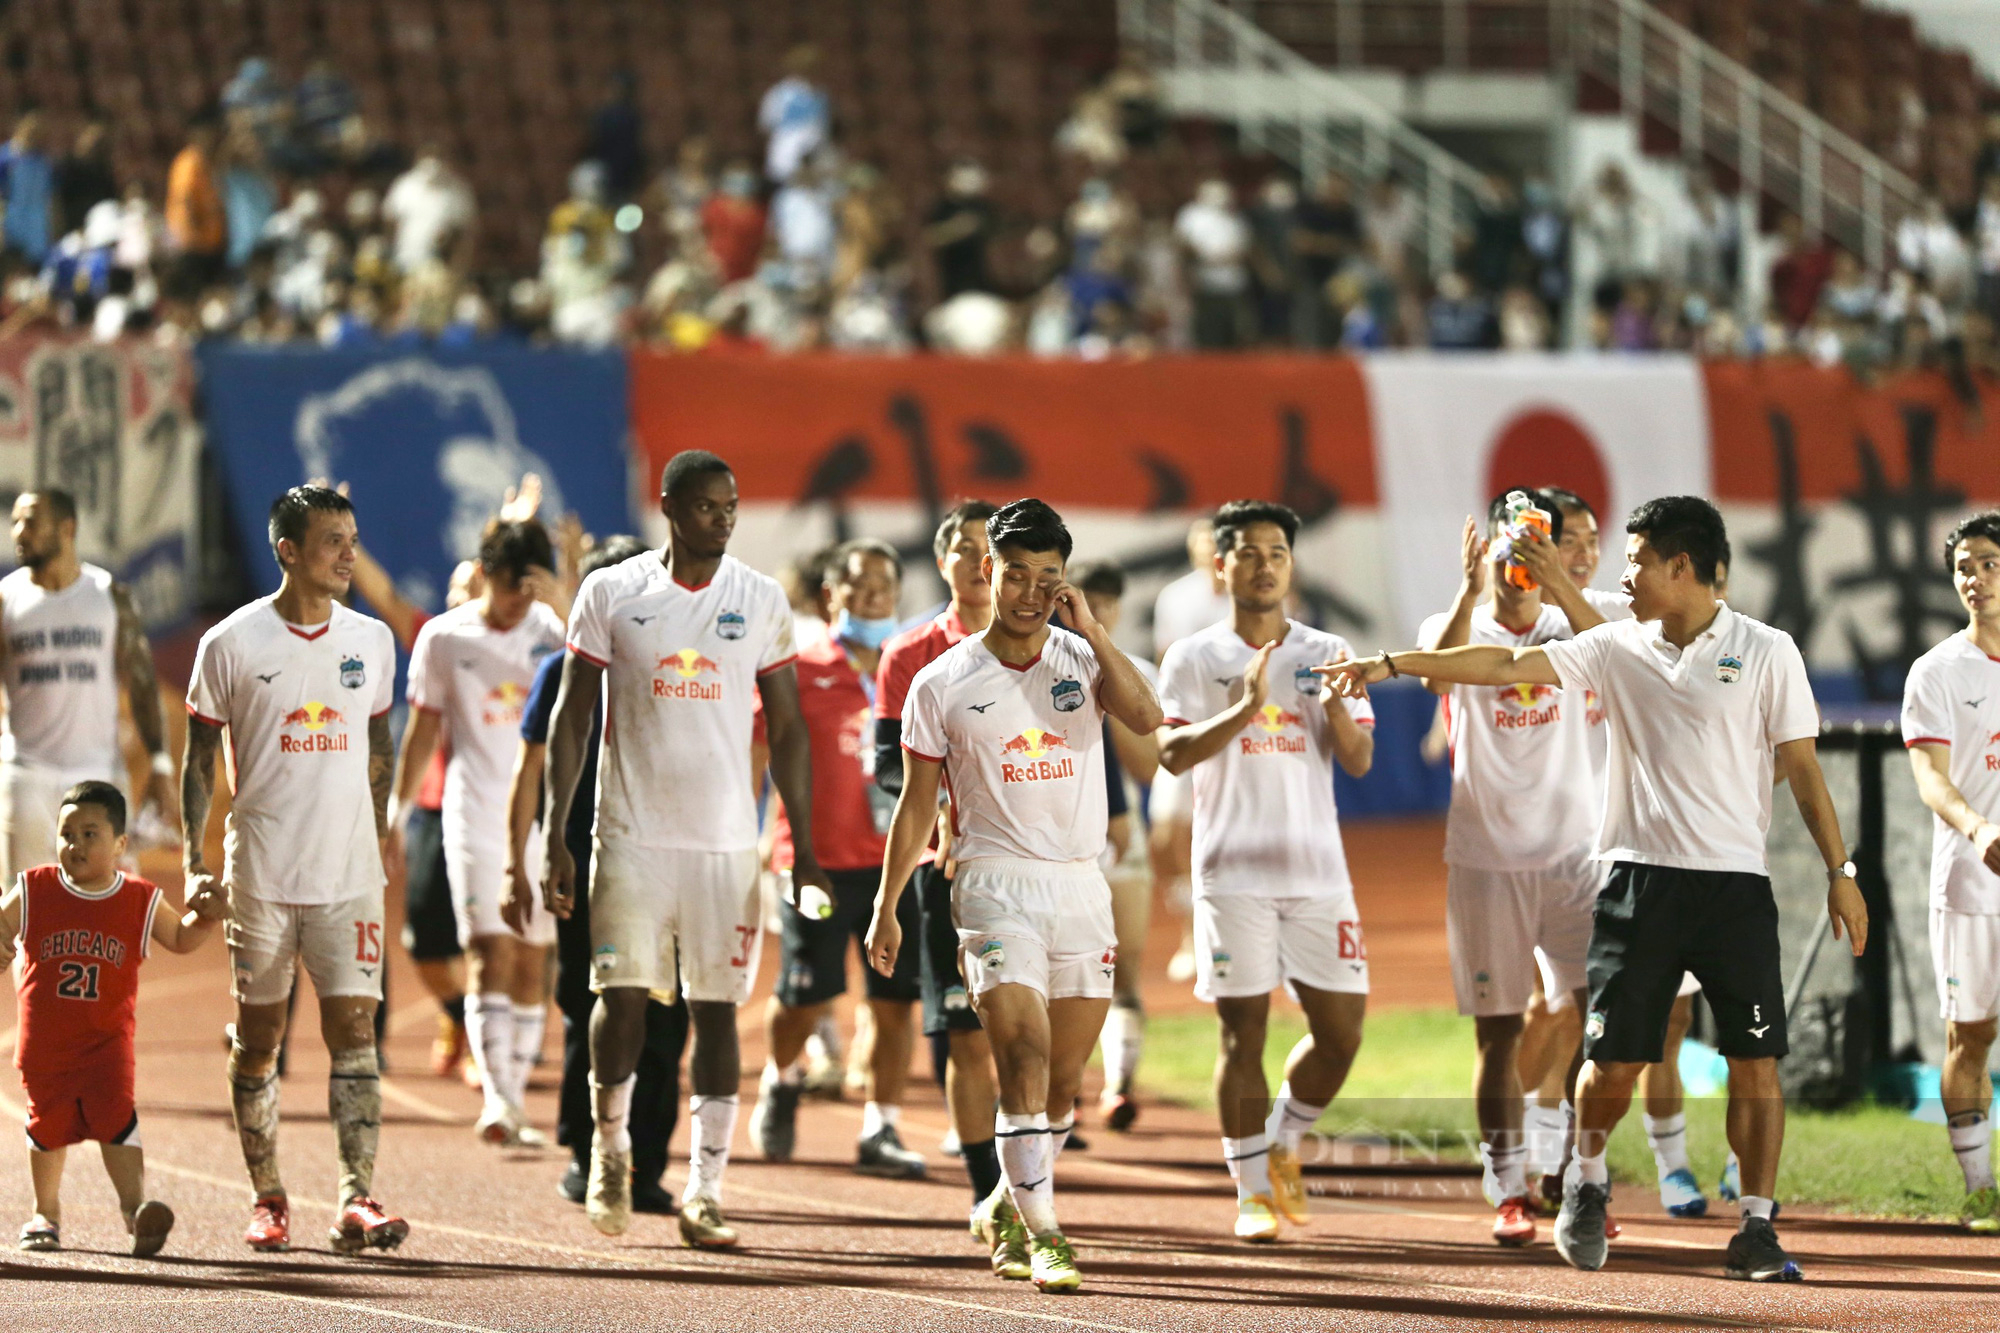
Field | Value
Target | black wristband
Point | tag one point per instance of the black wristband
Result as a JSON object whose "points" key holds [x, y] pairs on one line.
{"points": [[1390, 662]]}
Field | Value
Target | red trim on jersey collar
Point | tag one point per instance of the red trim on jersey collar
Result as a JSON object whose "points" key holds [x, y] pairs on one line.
{"points": [[1028, 665], [692, 587], [303, 634]]}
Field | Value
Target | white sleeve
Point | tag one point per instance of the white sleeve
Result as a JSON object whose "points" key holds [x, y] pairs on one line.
{"points": [[1427, 633], [780, 650], [1580, 661], [1793, 716], [1610, 605], [208, 689], [385, 679], [1926, 707], [923, 718], [1180, 687], [590, 620]]}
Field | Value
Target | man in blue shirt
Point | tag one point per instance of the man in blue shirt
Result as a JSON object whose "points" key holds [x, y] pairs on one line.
{"points": [[27, 190]]}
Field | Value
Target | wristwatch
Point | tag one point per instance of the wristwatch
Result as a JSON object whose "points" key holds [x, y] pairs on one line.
{"points": [[1845, 870]]}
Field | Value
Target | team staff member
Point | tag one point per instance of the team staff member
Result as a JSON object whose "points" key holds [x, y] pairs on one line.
{"points": [[1014, 717], [1951, 716], [1273, 903], [1683, 826], [836, 688]]}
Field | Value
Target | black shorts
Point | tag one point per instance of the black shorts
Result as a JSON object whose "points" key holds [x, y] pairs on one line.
{"points": [[813, 967], [947, 1006], [430, 926], [1655, 922]]}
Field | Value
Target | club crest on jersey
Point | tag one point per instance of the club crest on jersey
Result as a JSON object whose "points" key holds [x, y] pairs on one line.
{"points": [[1728, 670], [313, 719], [678, 676], [1034, 746], [353, 673], [1306, 683], [730, 625], [1068, 695]]}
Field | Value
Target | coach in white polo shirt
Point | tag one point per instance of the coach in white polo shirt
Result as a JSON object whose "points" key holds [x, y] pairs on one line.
{"points": [[1701, 703]]}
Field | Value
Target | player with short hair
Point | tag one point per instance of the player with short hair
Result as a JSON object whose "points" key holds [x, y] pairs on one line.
{"points": [[84, 927], [1951, 724], [677, 642], [1273, 902], [304, 686], [1011, 719], [469, 677], [1684, 828], [73, 640]]}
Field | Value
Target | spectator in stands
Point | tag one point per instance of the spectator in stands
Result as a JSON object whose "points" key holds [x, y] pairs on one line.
{"points": [[1634, 324], [1274, 220], [974, 323], [1851, 293], [1326, 237], [802, 222], [1623, 229], [1928, 244], [1459, 317], [733, 222], [1389, 224], [582, 257], [1141, 111], [1524, 321], [1986, 246], [249, 196], [27, 191], [1498, 249], [322, 105], [1800, 271], [1161, 303], [795, 114], [430, 210], [1545, 230], [684, 188], [256, 101], [1361, 326], [84, 177], [865, 317], [1713, 238], [867, 222], [197, 230], [1216, 241], [1102, 214], [614, 138], [960, 229], [1093, 133], [674, 304]]}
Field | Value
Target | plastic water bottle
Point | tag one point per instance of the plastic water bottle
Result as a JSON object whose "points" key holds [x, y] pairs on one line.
{"points": [[807, 899], [1522, 518]]}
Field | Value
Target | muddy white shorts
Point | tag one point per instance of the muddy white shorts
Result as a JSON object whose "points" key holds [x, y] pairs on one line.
{"points": [[1965, 952], [339, 943], [476, 866], [1247, 943], [1499, 922], [1045, 924], [658, 913]]}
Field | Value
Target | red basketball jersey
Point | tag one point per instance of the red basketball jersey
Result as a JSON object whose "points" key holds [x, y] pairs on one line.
{"points": [[79, 986]]}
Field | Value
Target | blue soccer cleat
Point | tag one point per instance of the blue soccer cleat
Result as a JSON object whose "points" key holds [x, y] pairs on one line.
{"points": [[1730, 1188], [1681, 1195]]}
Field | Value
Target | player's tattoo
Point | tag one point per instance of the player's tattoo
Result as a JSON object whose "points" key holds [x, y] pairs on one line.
{"points": [[204, 742], [134, 657], [381, 769]]}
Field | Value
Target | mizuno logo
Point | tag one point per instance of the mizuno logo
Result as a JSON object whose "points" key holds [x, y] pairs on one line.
{"points": [[366, 971], [1031, 1185], [268, 679], [824, 682], [708, 1151], [1759, 1032], [640, 620], [981, 708], [1225, 681], [1974, 703]]}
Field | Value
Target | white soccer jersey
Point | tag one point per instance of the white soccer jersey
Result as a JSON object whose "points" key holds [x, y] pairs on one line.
{"points": [[476, 679], [1612, 606], [680, 675], [1022, 748], [1264, 816], [1952, 698], [61, 675], [1692, 736], [1524, 792], [297, 701]]}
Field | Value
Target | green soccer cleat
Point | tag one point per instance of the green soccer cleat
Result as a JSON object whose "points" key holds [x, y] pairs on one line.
{"points": [[1054, 1263], [1981, 1211]]}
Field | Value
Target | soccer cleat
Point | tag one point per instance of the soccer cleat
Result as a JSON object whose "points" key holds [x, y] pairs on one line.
{"points": [[494, 1127], [1075, 1142], [607, 1198], [1981, 1211], [151, 1223], [825, 1080], [1256, 1219], [1514, 1221], [363, 1224], [270, 1224], [1730, 1188], [999, 1229], [575, 1180], [883, 1154], [448, 1048], [1288, 1186], [1680, 1194], [702, 1227], [1549, 1196], [1755, 1255], [1053, 1263], [650, 1196], [949, 1146], [1580, 1237], [774, 1121], [521, 1134], [1119, 1111], [40, 1234]]}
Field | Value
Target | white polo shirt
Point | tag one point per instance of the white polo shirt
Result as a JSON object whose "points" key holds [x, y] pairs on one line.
{"points": [[1952, 698], [1692, 733]]}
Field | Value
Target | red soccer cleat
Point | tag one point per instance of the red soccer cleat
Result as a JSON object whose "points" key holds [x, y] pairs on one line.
{"points": [[448, 1048], [270, 1224], [363, 1225], [1514, 1223]]}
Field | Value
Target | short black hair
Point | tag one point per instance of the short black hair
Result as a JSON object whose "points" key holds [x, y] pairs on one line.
{"points": [[1029, 525], [103, 795], [1683, 525], [956, 517], [513, 547], [60, 502], [1100, 578], [291, 513], [837, 560], [1544, 500], [690, 465], [613, 550], [1568, 501], [1985, 525], [1237, 515]]}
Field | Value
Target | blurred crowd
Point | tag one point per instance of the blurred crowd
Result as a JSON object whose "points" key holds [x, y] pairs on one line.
{"points": [[284, 220]]}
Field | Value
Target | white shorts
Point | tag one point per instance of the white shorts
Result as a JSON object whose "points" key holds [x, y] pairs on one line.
{"points": [[1170, 798], [340, 944], [30, 799], [477, 870], [1045, 924], [667, 918], [1965, 951], [1502, 922], [1246, 943]]}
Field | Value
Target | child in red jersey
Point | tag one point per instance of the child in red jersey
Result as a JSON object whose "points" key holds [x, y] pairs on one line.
{"points": [[83, 927]]}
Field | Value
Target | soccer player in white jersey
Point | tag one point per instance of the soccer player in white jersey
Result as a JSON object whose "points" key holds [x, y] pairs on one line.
{"points": [[676, 642], [1520, 882], [1684, 827], [303, 685], [1273, 903], [469, 677], [1951, 724], [1012, 720], [72, 640]]}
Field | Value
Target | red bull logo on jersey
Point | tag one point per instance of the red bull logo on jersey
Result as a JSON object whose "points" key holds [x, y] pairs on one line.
{"points": [[313, 719], [1992, 760], [503, 704], [1518, 707], [678, 675], [1032, 747], [1283, 732]]}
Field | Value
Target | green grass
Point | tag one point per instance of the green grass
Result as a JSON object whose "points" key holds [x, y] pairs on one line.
{"points": [[1414, 1077]]}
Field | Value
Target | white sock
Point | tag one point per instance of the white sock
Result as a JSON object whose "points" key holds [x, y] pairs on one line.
{"points": [[1290, 1118], [612, 1107], [1029, 1167], [1972, 1141], [876, 1117], [1542, 1131], [1059, 1137], [529, 1022], [1669, 1136], [489, 1030], [711, 1125], [1756, 1207], [828, 1034], [1249, 1160], [1506, 1174], [1123, 1039], [1587, 1171]]}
